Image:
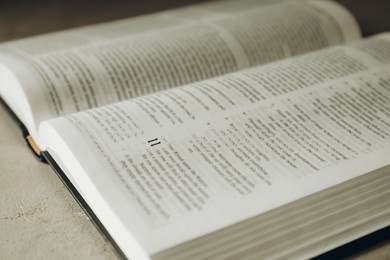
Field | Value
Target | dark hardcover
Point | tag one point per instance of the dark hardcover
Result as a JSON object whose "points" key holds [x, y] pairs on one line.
{"points": [[83, 204]]}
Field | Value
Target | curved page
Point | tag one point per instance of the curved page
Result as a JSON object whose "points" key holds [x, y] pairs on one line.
{"points": [[176, 165], [86, 68]]}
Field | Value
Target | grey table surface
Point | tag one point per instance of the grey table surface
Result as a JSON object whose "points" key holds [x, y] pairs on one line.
{"points": [[39, 219]]}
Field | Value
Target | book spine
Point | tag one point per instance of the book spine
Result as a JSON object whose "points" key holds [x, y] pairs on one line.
{"points": [[26, 135]]}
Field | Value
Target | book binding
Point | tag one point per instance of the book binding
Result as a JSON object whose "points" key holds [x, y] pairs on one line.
{"points": [[26, 135]]}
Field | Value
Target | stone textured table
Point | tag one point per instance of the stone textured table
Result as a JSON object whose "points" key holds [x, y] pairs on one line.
{"points": [[39, 219]]}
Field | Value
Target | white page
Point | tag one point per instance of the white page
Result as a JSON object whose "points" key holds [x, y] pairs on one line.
{"points": [[120, 67], [175, 178], [109, 31]]}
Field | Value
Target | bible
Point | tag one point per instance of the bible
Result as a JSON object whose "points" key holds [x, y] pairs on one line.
{"points": [[232, 129]]}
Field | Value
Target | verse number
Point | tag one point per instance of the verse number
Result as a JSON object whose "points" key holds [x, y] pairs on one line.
{"points": [[154, 142]]}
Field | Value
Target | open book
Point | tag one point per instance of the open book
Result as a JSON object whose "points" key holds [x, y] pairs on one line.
{"points": [[184, 143]]}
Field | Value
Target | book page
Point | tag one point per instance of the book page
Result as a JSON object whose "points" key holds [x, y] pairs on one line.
{"points": [[122, 67], [109, 31], [185, 162]]}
